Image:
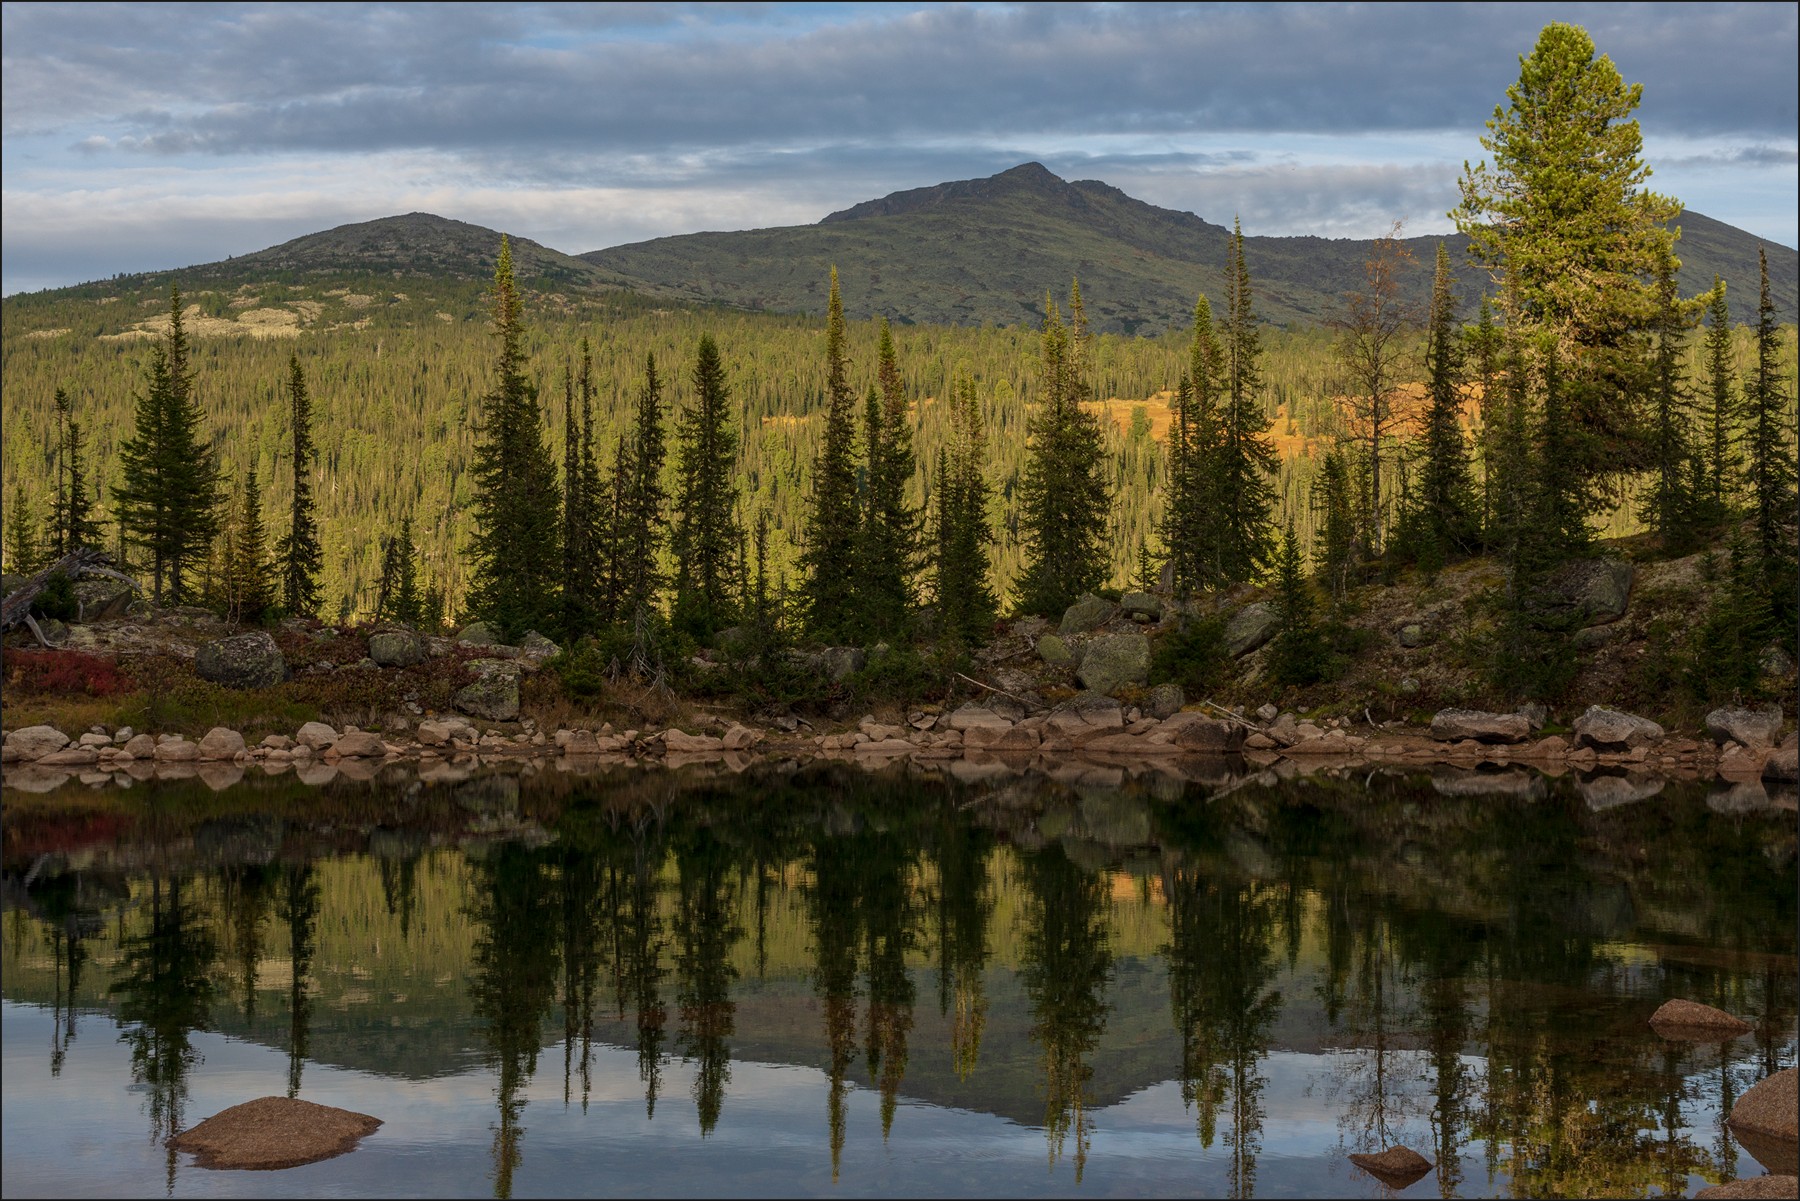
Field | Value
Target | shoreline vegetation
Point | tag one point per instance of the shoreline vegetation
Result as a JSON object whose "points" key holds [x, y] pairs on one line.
{"points": [[1444, 566]]}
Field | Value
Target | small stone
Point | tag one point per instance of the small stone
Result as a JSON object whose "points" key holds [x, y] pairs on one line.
{"points": [[1267, 713], [1411, 635], [1397, 1167]]}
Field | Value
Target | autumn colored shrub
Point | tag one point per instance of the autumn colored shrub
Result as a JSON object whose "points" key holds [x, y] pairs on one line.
{"points": [[65, 673]]}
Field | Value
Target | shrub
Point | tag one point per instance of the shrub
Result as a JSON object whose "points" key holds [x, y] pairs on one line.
{"points": [[1192, 656], [65, 673], [57, 598]]}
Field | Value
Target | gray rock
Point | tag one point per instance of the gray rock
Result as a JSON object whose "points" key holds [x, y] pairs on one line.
{"points": [[1408, 686], [34, 742], [360, 744], [1774, 661], [1084, 713], [1755, 728], [221, 743], [1595, 591], [1113, 661], [973, 716], [1088, 613], [1253, 625], [315, 735], [536, 646], [1054, 651], [1196, 732], [842, 662], [1783, 762], [479, 633], [1166, 700], [1608, 729], [1267, 713], [1535, 713], [241, 661], [1592, 638], [1411, 635], [396, 648], [1452, 725], [1141, 607], [100, 599], [494, 696]]}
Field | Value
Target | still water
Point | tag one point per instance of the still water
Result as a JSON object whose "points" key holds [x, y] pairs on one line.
{"points": [[1059, 980]]}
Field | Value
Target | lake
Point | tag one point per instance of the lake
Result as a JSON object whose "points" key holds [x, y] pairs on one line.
{"points": [[1033, 979]]}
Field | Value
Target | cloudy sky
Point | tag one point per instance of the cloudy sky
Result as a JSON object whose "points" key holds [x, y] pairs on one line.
{"points": [[147, 136]]}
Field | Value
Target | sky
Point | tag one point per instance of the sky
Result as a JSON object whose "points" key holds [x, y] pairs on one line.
{"points": [[143, 137]]}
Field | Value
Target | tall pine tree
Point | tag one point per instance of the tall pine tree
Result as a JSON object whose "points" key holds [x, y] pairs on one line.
{"points": [[72, 521], [1769, 466], [707, 534], [1247, 460], [1719, 413], [249, 592], [1446, 491], [1190, 528], [639, 534], [584, 529], [515, 552], [829, 564], [966, 604], [1065, 495], [298, 555], [168, 498], [891, 525], [22, 546], [1670, 507]]}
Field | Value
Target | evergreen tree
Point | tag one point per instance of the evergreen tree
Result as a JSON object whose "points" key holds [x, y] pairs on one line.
{"points": [[640, 522], [22, 552], [515, 552], [1719, 413], [1485, 346], [72, 521], [1334, 522], [1769, 467], [1297, 654], [584, 529], [706, 531], [829, 590], [966, 604], [1191, 529], [169, 496], [248, 588], [1370, 350], [891, 525], [1244, 494], [398, 598], [298, 554], [1446, 491], [1065, 496], [1670, 509]]}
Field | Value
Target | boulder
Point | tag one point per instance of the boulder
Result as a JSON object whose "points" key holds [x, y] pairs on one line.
{"points": [[1453, 725], [1141, 607], [1754, 728], [274, 1132], [1774, 661], [221, 743], [71, 756], [315, 735], [178, 751], [241, 661], [1592, 591], [396, 648], [1250, 628], [680, 742], [34, 742], [1692, 1021], [1087, 613], [1411, 635], [536, 646], [1053, 650], [739, 737], [479, 633], [1165, 700], [359, 744], [494, 695], [101, 599], [1610, 730], [1204, 735], [435, 733], [972, 716], [1113, 661], [841, 662], [139, 746], [1396, 1167], [1766, 1120], [1084, 714], [1783, 762]]}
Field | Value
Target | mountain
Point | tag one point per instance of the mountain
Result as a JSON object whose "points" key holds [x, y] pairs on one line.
{"points": [[977, 251]]}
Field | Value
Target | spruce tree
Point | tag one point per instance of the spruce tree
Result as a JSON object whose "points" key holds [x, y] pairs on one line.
{"points": [[1485, 346], [891, 525], [707, 535], [1297, 654], [298, 555], [169, 494], [966, 604], [1670, 507], [1244, 494], [22, 550], [1190, 528], [829, 592], [72, 521], [1334, 523], [640, 524], [1719, 413], [584, 530], [1065, 495], [515, 553], [248, 588], [1769, 467], [1446, 496], [399, 598]]}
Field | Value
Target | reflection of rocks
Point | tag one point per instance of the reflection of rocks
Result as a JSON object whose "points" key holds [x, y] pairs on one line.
{"points": [[1692, 1021], [1517, 785], [1397, 1167], [1740, 797], [1766, 1121], [1605, 792]]}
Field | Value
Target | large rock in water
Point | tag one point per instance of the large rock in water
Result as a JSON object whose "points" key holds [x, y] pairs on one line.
{"points": [[274, 1132], [396, 648], [1252, 627], [1114, 661], [1753, 1188], [1766, 1120], [1087, 613], [1693, 1022], [494, 696], [1756, 728], [1610, 730], [34, 742], [1397, 1167], [1592, 591], [1453, 725], [242, 661]]}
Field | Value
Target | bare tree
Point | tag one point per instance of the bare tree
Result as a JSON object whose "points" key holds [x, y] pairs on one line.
{"points": [[1372, 346]]}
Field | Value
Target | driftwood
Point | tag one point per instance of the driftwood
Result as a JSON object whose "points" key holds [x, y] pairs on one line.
{"points": [[84, 560], [991, 688]]}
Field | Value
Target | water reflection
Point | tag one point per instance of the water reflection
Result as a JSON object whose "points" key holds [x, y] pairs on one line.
{"points": [[1472, 972]]}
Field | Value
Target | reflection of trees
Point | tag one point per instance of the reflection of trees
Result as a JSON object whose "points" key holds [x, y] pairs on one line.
{"points": [[300, 910], [580, 883], [1067, 966], [965, 904], [68, 926], [637, 942], [166, 993], [888, 916], [1221, 960], [834, 921], [248, 892], [705, 932], [513, 983], [400, 889]]}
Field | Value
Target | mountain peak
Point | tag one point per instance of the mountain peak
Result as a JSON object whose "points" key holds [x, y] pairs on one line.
{"points": [[1032, 179]]}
